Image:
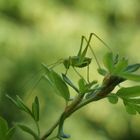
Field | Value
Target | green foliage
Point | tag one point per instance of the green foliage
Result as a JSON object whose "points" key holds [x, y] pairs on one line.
{"points": [[102, 71], [129, 95], [129, 92], [132, 68], [69, 82], [113, 98], [10, 133], [117, 70], [85, 87], [120, 66], [28, 130], [57, 83], [19, 103], [132, 77], [32, 32], [35, 109], [131, 98], [108, 61], [34, 113], [5, 132]]}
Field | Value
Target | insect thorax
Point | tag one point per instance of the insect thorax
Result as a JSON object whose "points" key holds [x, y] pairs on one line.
{"points": [[76, 61]]}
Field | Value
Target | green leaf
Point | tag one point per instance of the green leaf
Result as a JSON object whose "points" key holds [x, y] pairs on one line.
{"points": [[120, 66], [35, 109], [68, 81], [130, 110], [108, 61], [13, 101], [113, 98], [10, 133], [134, 100], [137, 108], [20, 104], [129, 92], [116, 59], [132, 105], [129, 76], [28, 130], [3, 128], [132, 68], [101, 71], [60, 86], [48, 76], [89, 85], [81, 84], [23, 106], [57, 83]]}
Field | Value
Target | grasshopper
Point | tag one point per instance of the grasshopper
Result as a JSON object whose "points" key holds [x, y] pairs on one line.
{"points": [[80, 60]]}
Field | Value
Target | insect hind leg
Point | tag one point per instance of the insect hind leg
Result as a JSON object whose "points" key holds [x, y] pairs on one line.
{"points": [[93, 34], [88, 42]]}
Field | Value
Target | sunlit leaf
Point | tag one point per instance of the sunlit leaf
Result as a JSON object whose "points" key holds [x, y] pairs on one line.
{"points": [[129, 76], [60, 86], [137, 108], [132, 68], [129, 92], [101, 71], [81, 84], [120, 66], [130, 109], [57, 83], [134, 100], [132, 105], [108, 61]]}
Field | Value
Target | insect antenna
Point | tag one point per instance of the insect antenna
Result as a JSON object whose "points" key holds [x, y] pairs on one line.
{"points": [[36, 78], [52, 65], [55, 63], [34, 86], [28, 81]]}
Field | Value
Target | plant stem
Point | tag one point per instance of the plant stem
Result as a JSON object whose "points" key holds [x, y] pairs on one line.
{"points": [[48, 133], [75, 102], [109, 83]]}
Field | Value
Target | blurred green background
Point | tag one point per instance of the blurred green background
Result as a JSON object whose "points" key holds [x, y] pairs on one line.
{"points": [[36, 31]]}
